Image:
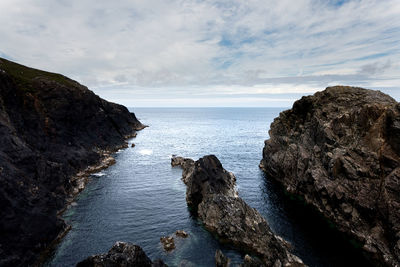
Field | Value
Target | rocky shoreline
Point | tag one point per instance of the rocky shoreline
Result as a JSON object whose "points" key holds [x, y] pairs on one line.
{"points": [[338, 150], [212, 197], [51, 129]]}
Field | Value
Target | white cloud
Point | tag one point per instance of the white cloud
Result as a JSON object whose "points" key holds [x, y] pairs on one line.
{"points": [[174, 48]]}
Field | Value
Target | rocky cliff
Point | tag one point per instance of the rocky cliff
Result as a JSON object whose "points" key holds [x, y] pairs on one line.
{"points": [[212, 196], [339, 150], [51, 128]]}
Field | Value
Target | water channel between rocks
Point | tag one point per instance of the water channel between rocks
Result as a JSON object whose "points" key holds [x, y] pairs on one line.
{"points": [[141, 197]]}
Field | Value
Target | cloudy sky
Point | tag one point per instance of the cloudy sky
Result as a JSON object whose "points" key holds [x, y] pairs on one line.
{"points": [[207, 53]]}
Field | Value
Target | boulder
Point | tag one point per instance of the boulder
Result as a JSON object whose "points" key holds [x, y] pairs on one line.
{"points": [[339, 150], [121, 254], [181, 233], [168, 243]]}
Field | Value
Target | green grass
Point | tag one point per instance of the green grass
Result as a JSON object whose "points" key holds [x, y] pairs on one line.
{"points": [[23, 76]]}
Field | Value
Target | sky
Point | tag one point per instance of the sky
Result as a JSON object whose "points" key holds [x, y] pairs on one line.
{"points": [[161, 53]]}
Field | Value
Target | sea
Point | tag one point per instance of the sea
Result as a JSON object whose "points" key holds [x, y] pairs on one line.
{"points": [[142, 198]]}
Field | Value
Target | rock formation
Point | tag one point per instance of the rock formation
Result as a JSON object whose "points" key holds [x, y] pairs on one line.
{"points": [[221, 260], [181, 233], [51, 128], [340, 150], [212, 197], [168, 243], [121, 255]]}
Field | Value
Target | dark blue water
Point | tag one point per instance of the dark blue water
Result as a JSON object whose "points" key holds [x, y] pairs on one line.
{"points": [[141, 197]]}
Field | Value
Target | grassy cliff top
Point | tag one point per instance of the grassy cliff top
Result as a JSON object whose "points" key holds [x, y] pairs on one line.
{"points": [[24, 76]]}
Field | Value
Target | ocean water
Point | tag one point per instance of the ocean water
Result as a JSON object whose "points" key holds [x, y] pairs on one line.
{"points": [[142, 198]]}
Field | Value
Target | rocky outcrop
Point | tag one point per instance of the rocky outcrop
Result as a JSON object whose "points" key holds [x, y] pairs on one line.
{"points": [[212, 197], [51, 129], [221, 260], [339, 150], [181, 233], [122, 254], [168, 243]]}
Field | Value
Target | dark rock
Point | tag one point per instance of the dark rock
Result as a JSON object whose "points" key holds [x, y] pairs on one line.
{"points": [[221, 260], [339, 150], [158, 263], [181, 233], [121, 255], [255, 262], [133, 145], [51, 128], [212, 197], [168, 242]]}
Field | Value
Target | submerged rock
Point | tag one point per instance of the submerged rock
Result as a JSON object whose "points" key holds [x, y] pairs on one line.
{"points": [[51, 128], [212, 196], [340, 150], [168, 242], [181, 233], [121, 254]]}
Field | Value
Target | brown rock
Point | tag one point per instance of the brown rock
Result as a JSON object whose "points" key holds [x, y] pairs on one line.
{"points": [[181, 233], [221, 260], [168, 242], [340, 150], [121, 254]]}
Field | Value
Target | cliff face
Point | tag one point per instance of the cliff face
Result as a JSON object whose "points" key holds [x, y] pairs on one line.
{"points": [[51, 128], [340, 150]]}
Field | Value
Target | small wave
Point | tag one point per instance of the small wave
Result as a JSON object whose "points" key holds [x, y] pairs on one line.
{"points": [[99, 174], [146, 152]]}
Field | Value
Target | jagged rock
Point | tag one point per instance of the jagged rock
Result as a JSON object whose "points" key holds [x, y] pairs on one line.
{"points": [[221, 260], [254, 262], [340, 150], [186, 165], [51, 128], [181, 233], [212, 196], [121, 254], [168, 242]]}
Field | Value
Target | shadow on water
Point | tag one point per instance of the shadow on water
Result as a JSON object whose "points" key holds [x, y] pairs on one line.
{"points": [[315, 239]]}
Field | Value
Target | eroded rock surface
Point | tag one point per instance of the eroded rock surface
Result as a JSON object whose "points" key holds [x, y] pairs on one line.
{"points": [[212, 196], [51, 129], [340, 150], [121, 254]]}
